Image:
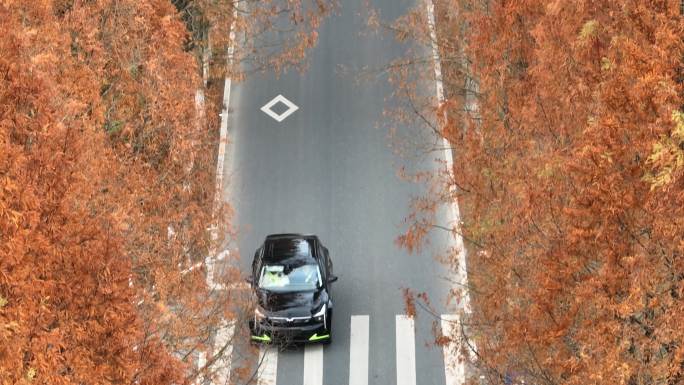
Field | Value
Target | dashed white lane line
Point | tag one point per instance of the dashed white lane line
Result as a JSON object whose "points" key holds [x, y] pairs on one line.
{"points": [[313, 365], [406, 350], [453, 369], [358, 350], [268, 365]]}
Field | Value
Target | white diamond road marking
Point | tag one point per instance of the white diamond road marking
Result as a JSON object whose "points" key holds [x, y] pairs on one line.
{"points": [[291, 108]]}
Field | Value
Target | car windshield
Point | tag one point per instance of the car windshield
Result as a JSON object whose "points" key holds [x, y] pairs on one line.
{"points": [[290, 278]]}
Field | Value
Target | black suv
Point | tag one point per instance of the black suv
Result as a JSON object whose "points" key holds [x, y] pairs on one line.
{"points": [[291, 277]]}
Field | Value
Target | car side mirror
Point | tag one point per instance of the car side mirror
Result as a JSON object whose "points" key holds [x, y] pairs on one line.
{"points": [[332, 278], [249, 280]]}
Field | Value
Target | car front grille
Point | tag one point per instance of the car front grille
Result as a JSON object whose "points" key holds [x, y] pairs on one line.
{"points": [[293, 321]]}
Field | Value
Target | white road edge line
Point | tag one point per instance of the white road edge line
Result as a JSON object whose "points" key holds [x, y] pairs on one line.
{"points": [[225, 333], [268, 369], [462, 272], [223, 131], [406, 350], [313, 365], [454, 371], [358, 350]]}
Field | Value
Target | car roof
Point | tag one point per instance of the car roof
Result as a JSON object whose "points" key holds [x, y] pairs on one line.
{"points": [[289, 248]]}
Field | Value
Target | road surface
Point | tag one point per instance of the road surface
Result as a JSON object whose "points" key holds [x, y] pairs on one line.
{"points": [[329, 168]]}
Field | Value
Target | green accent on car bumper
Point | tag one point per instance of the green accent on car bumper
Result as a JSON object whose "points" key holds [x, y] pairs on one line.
{"points": [[316, 337], [263, 338]]}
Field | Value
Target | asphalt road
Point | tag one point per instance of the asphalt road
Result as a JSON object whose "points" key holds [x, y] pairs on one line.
{"points": [[330, 169]]}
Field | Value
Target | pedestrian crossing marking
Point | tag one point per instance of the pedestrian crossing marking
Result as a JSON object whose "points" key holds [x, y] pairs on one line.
{"points": [[453, 369], [224, 339], [358, 350], [268, 365], [313, 365], [406, 350]]}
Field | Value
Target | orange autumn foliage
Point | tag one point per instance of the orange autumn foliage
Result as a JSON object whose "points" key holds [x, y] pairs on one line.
{"points": [[107, 185], [106, 190], [570, 178]]}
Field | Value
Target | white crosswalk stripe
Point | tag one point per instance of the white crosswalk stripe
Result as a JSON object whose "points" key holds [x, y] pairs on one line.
{"points": [[453, 369], [313, 365], [406, 350], [268, 365], [358, 350]]}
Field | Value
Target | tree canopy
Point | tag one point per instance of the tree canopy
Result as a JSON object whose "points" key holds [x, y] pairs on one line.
{"points": [[569, 175], [105, 194]]}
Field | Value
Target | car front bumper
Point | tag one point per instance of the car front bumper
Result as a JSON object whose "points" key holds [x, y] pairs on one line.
{"points": [[264, 331]]}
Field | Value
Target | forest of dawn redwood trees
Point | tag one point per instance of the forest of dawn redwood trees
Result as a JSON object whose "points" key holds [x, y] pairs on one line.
{"points": [[570, 174], [101, 156]]}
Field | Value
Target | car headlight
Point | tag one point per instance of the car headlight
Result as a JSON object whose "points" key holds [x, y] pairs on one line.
{"points": [[320, 315]]}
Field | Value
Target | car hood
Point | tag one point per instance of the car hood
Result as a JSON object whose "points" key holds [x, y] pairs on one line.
{"points": [[291, 304]]}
